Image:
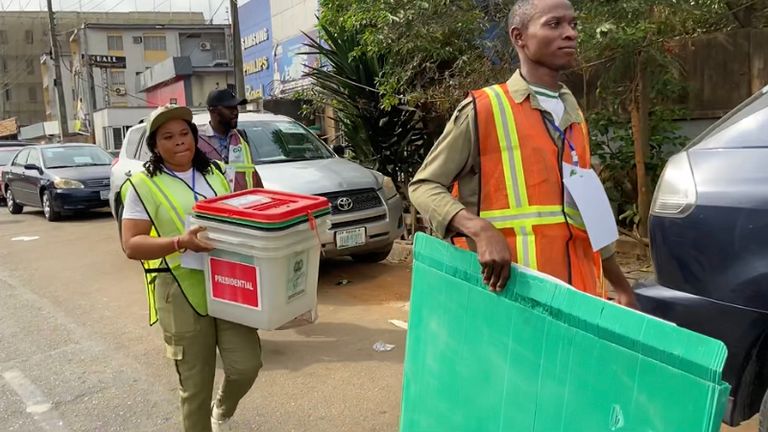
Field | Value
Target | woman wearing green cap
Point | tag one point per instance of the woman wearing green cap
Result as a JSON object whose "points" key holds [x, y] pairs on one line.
{"points": [[155, 231]]}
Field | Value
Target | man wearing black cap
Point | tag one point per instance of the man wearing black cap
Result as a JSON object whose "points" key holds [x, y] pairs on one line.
{"points": [[219, 140]]}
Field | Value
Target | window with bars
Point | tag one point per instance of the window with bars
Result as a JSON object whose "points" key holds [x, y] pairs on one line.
{"points": [[154, 43], [4, 64], [29, 36], [115, 42], [3, 37], [8, 94], [117, 78], [31, 66], [33, 94]]}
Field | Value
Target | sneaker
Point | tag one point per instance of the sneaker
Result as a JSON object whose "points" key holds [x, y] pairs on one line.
{"points": [[218, 422]]}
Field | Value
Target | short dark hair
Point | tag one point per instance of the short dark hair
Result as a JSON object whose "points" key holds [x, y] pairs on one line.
{"points": [[154, 165], [520, 14]]}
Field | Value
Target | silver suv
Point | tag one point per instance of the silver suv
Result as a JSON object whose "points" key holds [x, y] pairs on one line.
{"points": [[366, 214]]}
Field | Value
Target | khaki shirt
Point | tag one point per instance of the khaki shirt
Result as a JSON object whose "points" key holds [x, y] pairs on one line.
{"points": [[456, 158]]}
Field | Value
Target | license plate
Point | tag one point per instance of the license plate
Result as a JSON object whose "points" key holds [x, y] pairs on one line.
{"points": [[350, 238], [104, 194]]}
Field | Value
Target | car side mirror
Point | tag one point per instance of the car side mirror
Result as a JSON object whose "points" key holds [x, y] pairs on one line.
{"points": [[32, 167], [340, 150]]}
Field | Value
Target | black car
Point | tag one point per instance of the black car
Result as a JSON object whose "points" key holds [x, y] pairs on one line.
{"points": [[709, 244], [58, 178]]}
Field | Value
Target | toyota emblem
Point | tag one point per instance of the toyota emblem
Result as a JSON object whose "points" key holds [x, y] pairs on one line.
{"points": [[345, 204]]}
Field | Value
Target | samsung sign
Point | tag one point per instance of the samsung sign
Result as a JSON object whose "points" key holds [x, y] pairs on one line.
{"points": [[255, 38]]}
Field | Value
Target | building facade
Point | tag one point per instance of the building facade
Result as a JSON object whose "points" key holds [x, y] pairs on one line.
{"points": [[180, 81], [24, 39]]}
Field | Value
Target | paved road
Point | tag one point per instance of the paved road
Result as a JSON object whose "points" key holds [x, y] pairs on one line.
{"points": [[76, 353]]}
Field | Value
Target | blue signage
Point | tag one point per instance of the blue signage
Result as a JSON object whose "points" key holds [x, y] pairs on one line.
{"points": [[256, 35], [292, 62]]}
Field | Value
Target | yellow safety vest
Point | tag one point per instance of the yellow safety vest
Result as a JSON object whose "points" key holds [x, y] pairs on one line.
{"points": [[246, 166], [168, 200]]}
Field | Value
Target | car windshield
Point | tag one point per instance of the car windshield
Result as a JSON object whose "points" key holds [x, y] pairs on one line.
{"points": [[742, 127], [6, 155], [75, 156], [282, 141]]}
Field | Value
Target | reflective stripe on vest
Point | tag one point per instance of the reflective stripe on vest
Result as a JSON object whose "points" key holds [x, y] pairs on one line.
{"points": [[246, 167], [525, 208], [167, 200]]}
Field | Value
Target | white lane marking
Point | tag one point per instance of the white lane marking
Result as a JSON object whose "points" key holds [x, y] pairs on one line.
{"points": [[25, 238], [36, 402]]}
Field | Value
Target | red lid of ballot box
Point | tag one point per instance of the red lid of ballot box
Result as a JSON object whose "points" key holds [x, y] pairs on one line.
{"points": [[263, 206]]}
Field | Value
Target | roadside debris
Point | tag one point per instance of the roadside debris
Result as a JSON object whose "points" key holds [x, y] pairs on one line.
{"points": [[343, 282], [400, 324], [380, 346]]}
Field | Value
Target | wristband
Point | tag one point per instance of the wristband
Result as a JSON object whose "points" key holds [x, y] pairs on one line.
{"points": [[177, 245]]}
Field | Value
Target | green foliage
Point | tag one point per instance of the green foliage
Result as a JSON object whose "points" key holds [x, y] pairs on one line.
{"points": [[390, 140], [612, 146], [435, 50]]}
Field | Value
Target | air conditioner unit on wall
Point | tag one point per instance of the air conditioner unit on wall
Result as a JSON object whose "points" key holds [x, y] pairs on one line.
{"points": [[205, 46], [119, 91]]}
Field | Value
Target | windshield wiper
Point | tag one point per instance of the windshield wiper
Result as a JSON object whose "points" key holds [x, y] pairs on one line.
{"points": [[78, 166]]}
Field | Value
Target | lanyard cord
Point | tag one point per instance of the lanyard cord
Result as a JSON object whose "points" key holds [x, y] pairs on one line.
{"points": [[195, 194], [564, 134]]}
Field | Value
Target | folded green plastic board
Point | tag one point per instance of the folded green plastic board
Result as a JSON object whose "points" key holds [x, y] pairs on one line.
{"points": [[544, 357]]}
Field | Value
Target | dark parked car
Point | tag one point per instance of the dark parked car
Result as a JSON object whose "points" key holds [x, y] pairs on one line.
{"points": [[58, 178], [6, 154], [709, 244]]}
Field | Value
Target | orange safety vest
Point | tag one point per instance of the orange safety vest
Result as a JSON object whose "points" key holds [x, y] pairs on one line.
{"points": [[522, 192]]}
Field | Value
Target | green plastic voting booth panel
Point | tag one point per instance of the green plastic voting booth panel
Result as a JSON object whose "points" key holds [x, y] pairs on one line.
{"points": [[544, 357]]}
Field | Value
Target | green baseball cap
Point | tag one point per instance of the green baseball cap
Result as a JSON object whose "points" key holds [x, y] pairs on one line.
{"points": [[164, 113]]}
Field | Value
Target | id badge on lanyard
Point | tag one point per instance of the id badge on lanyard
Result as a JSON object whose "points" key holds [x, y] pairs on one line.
{"points": [[236, 157]]}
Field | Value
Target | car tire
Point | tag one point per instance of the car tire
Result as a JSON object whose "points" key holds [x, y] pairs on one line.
{"points": [[51, 215], [373, 257], [13, 206], [764, 414]]}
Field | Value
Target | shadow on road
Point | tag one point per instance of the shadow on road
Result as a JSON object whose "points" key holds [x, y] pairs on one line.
{"points": [[80, 217], [331, 342]]}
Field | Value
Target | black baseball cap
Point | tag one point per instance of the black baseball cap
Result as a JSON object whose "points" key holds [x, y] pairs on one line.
{"points": [[224, 98]]}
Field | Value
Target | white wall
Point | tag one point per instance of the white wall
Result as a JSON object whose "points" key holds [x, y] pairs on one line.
{"points": [[291, 17], [202, 84], [66, 77], [116, 117]]}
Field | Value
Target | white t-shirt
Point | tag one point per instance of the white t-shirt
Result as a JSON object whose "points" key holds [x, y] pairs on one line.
{"points": [[133, 209], [550, 101]]}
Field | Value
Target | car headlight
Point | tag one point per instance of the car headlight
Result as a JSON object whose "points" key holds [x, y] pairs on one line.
{"points": [[67, 184], [388, 187], [676, 191]]}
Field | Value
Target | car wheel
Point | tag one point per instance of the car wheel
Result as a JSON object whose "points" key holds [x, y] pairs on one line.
{"points": [[50, 213], [13, 206], [373, 257]]}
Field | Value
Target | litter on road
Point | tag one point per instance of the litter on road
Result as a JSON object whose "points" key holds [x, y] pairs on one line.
{"points": [[381, 346]]}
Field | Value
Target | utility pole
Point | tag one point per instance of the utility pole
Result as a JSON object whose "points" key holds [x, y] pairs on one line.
{"points": [[238, 49], [63, 119]]}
